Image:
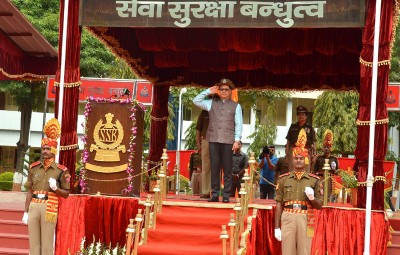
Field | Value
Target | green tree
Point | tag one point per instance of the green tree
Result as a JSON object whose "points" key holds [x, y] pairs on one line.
{"points": [[28, 96], [337, 111], [190, 135], [265, 129]]}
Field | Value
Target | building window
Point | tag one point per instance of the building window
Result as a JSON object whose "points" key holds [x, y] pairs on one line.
{"points": [[11, 103], [187, 113]]}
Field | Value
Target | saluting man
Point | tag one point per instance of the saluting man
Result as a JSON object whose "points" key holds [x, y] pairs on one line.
{"points": [[47, 181], [298, 193]]}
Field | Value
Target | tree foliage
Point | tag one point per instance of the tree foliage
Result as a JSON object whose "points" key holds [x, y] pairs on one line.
{"points": [[265, 131], [337, 111]]}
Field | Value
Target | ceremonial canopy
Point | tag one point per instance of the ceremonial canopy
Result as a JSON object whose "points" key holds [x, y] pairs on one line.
{"points": [[285, 53], [24, 52]]}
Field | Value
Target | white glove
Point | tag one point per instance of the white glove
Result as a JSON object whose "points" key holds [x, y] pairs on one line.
{"points": [[25, 218], [53, 184], [278, 234], [309, 193]]}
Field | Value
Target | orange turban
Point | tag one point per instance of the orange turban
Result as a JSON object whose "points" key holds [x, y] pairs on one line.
{"points": [[301, 144], [52, 130], [328, 138]]}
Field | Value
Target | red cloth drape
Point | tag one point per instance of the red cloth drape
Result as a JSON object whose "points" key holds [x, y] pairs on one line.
{"points": [[104, 218], [158, 126], [19, 65], [365, 102], [69, 138], [263, 234], [251, 58], [341, 231]]}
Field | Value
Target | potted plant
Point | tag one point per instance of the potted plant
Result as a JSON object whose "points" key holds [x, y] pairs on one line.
{"points": [[349, 181], [153, 177]]}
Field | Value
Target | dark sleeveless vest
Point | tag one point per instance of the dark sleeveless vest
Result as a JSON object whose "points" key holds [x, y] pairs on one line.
{"points": [[221, 126]]}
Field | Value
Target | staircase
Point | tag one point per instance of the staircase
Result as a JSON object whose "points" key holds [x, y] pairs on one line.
{"points": [[394, 247], [13, 233]]}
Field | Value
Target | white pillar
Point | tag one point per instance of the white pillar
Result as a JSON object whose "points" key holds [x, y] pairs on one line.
{"points": [[252, 123], [289, 112]]}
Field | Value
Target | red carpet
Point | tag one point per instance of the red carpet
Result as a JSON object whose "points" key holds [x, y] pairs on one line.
{"points": [[187, 230]]}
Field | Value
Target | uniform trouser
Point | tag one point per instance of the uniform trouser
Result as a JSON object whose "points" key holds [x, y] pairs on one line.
{"points": [[236, 185], [221, 157], [294, 234], [205, 167], [41, 233], [267, 191], [196, 183]]}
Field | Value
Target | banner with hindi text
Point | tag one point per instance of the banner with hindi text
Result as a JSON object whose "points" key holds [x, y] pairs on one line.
{"points": [[200, 13]]}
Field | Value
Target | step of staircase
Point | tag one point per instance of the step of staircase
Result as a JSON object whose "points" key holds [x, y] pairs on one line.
{"points": [[13, 251], [13, 233], [19, 241], [393, 249], [11, 214], [13, 227], [395, 237]]}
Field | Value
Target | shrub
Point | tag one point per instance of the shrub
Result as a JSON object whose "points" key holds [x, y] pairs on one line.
{"points": [[6, 177], [6, 185]]}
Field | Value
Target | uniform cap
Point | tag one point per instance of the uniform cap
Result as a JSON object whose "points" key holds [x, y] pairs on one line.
{"points": [[328, 138], [52, 130], [226, 82], [300, 148], [301, 109]]}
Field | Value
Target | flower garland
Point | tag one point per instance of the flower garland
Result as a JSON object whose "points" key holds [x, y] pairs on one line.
{"points": [[132, 144]]}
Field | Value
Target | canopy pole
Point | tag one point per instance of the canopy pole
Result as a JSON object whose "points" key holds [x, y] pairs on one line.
{"points": [[62, 71], [370, 183]]}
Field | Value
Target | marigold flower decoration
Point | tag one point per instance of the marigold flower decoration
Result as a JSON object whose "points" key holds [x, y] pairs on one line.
{"points": [[301, 146], [52, 130]]}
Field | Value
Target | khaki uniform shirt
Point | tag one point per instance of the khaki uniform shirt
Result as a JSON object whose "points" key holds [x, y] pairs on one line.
{"points": [[38, 177], [289, 188]]}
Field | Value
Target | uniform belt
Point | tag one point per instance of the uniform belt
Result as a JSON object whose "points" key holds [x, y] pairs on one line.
{"points": [[296, 207], [40, 196]]}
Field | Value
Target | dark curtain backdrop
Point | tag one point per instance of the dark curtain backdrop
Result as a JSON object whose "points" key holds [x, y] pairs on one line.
{"points": [[158, 125], [98, 217], [380, 148], [69, 138]]}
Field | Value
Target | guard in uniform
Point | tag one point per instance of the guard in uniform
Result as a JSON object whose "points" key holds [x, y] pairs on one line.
{"points": [[47, 181], [293, 133], [333, 162], [298, 193]]}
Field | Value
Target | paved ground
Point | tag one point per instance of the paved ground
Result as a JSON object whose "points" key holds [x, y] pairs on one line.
{"points": [[12, 200]]}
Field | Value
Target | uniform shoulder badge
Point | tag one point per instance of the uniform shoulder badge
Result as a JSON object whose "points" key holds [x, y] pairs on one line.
{"points": [[314, 175], [285, 174], [63, 168], [35, 164]]}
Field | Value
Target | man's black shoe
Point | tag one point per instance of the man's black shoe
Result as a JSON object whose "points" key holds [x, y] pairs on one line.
{"points": [[225, 200], [213, 199]]}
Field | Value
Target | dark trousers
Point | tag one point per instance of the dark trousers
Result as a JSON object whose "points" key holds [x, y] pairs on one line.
{"points": [[236, 185], [221, 157], [267, 191]]}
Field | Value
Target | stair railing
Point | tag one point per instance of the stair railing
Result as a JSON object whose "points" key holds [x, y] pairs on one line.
{"points": [[145, 230], [224, 236], [252, 163], [238, 219], [232, 225], [244, 238], [163, 175], [129, 232]]}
